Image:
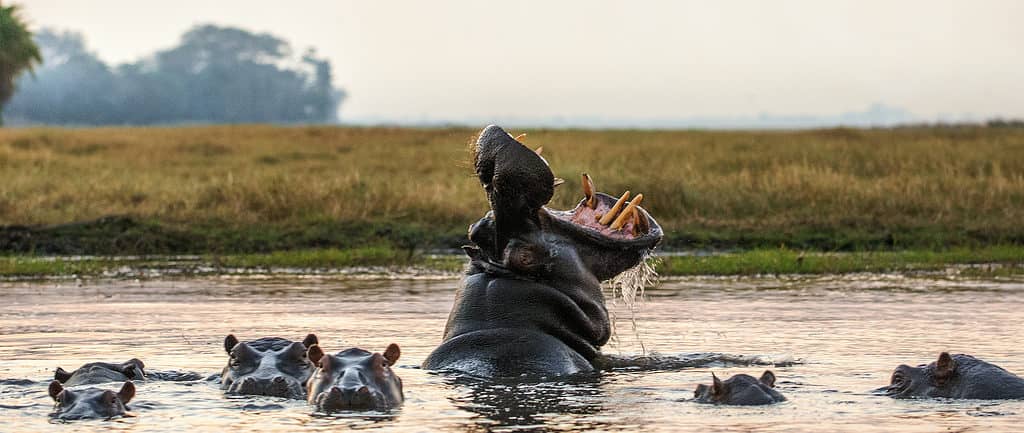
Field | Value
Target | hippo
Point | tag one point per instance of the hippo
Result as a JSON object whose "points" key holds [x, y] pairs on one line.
{"points": [[740, 390], [102, 372], [88, 403], [955, 376], [354, 379], [268, 366], [530, 302]]}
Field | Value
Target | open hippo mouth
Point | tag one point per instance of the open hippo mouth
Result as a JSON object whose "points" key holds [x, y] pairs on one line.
{"points": [[608, 220]]}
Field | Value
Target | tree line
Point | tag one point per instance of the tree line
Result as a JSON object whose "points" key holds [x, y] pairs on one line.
{"points": [[214, 75]]}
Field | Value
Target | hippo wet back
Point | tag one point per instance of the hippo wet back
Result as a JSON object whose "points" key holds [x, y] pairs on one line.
{"points": [[740, 390], [955, 376], [354, 379], [89, 403], [531, 301], [102, 372], [269, 366]]}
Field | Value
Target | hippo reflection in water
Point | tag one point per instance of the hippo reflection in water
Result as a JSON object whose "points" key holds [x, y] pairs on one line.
{"points": [[531, 301], [354, 379], [741, 389], [955, 376], [269, 366], [102, 372], [86, 403]]}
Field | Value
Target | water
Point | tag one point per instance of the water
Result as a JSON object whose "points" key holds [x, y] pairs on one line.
{"points": [[846, 334]]}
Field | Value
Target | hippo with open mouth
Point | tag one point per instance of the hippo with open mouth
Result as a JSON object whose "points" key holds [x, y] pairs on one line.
{"points": [[354, 379], [89, 403], [531, 301], [740, 390], [955, 376], [271, 366], [102, 372]]}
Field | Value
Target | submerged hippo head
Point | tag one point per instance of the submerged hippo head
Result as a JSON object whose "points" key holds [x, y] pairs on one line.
{"points": [[354, 379], [740, 389], [85, 403], [955, 376], [531, 302], [269, 366], [102, 372], [598, 239]]}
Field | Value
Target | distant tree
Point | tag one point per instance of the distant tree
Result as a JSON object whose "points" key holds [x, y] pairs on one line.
{"points": [[215, 75], [325, 98], [1005, 123], [18, 52], [74, 87]]}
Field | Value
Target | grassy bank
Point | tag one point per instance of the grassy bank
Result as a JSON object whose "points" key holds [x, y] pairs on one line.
{"points": [[251, 189], [1009, 260]]}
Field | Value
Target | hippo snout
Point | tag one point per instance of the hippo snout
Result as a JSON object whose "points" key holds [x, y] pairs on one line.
{"points": [[349, 398], [278, 386]]}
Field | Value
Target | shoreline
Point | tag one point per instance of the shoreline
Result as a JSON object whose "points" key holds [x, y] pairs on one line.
{"points": [[997, 260]]}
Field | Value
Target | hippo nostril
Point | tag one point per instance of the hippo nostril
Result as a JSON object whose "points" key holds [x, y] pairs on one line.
{"points": [[363, 391], [278, 380], [247, 386]]}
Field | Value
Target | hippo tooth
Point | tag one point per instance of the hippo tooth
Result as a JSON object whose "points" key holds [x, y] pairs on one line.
{"points": [[621, 220], [559, 181], [607, 218], [588, 191], [538, 150], [519, 137]]}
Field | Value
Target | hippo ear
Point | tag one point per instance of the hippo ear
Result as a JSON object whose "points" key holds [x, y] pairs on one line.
{"points": [[310, 340], [315, 353], [717, 387], [230, 342], [517, 180], [61, 375], [127, 392], [55, 389], [945, 367], [392, 353], [768, 378]]}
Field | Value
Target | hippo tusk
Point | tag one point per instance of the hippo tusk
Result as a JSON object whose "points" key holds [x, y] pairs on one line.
{"points": [[607, 218], [558, 181], [588, 191], [630, 209], [516, 138], [538, 150]]}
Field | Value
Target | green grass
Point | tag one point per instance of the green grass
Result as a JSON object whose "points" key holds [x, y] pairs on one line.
{"points": [[257, 189], [761, 261], [786, 261]]}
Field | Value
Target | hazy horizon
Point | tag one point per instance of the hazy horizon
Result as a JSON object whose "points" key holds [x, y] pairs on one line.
{"points": [[614, 64]]}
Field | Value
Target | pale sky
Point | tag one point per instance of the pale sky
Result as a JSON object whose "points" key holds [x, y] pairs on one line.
{"points": [[635, 59]]}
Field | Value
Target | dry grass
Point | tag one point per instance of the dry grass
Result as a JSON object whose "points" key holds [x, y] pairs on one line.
{"points": [[903, 185]]}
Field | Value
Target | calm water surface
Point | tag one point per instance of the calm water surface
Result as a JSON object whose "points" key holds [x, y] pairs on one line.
{"points": [[847, 334]]}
